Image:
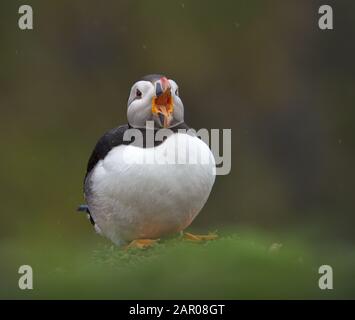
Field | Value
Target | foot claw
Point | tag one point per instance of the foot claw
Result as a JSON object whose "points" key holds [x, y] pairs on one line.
{"points": [[199, 238], [141, 244]]}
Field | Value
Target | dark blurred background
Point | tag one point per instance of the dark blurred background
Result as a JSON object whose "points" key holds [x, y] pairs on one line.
{"points": [[262, 68]]}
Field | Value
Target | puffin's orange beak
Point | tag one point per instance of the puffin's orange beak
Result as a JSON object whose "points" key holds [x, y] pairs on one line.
{"points": [[162, 103]]}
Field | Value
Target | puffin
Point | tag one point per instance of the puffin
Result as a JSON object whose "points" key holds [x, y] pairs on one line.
{"points": [[137, 191]]}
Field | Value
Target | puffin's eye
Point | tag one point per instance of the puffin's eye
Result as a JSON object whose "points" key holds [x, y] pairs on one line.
{"points": [[138, 94], [177, 92]]}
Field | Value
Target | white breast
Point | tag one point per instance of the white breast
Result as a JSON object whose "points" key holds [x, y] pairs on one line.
{"points": [[131, 199]]}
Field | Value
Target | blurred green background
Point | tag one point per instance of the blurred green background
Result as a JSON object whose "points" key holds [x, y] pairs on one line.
{"points": [[262, 68]]}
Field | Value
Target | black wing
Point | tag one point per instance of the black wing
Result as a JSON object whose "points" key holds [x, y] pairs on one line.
{"points": [[109, 140], [114, 138]]}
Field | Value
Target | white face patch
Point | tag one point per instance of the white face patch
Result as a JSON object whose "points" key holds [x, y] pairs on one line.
{"points": [[146, 88], [140, 103]]}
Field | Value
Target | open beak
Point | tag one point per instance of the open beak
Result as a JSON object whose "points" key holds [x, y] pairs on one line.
{"points": [[162, 103]]}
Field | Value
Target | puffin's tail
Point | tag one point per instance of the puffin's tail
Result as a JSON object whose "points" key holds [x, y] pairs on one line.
{"points": [[83, 208]]}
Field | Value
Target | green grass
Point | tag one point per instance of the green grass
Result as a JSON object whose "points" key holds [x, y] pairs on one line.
{"points": [[236, 266]]}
